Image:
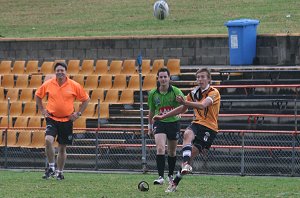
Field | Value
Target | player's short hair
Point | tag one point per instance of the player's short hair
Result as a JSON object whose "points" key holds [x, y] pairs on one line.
{"points": [[207, 71], [163, 69], [63, 64]]}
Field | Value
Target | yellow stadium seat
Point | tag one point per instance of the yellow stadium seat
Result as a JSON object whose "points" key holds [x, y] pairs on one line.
{"points": [[18, 67], [35, 121], [38, 140], [15, 108], [35, 81], [87, 67], [47, 67], [30, 109], [2, 95], [115, 67], [8, 81], [73, 67], [174, 66], [13, 94], [3, 108], [79, 79], [91, 82], [5, 121], [5, 67], [119, 82], [150, 82], [127, 97], [105, 82], [134, 83], [146, 68], [104, 110], [101, 67], [97, 93], [32, 67], [129, 67], [22, 81], [112, 96], [26, 94], [11, 138], [157, 64]]}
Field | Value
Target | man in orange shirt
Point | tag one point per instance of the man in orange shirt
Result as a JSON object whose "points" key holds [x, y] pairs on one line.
{"points": [[60, 115], [199, 136]]}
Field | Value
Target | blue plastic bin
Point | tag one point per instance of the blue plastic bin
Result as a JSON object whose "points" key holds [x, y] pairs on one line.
{"points": [[242, 41]]}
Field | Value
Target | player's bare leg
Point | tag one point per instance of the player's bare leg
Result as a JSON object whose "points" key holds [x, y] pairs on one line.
{"points": [[61, 159], [50, 154]]}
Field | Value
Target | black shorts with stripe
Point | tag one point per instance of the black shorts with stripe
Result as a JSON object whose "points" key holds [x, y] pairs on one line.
{"points": [[204, 136], [63, 130]]}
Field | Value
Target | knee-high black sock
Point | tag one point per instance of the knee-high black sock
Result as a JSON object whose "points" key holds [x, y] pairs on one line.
{"points": [[160, 163], [171, 163]]}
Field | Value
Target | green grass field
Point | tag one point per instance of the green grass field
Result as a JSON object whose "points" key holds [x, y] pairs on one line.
{"points": [[30, 184], [52, 18]]}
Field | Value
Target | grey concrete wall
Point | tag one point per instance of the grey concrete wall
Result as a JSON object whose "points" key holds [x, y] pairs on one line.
{"points": [[191, 49]]}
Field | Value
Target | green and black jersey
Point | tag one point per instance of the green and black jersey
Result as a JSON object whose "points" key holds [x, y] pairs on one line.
{"points": [[161, 103]]}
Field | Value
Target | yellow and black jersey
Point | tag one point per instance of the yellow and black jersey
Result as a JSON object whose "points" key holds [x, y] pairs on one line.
{"points": [[209, 116]]}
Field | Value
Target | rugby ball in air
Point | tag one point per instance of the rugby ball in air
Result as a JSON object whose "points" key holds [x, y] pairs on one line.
{"points": [[160, 10]]}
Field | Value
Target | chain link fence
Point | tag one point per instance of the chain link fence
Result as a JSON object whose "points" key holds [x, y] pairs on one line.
{"points": [[245, 152]]}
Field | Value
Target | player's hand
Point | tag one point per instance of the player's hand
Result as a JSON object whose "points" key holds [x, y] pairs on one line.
{"points": [[157, 117], [180, 99], [45, 113], [73, 116], [150, 133]]}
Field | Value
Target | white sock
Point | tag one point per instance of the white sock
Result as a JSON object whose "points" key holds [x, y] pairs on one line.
{"points": [[52, 166]]}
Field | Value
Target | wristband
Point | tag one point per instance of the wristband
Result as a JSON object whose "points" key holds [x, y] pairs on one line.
{"points": [[150, 127]]}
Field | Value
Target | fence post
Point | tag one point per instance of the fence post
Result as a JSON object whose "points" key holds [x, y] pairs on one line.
{"points": [[97, 141], [144, 161], [6, 134], [294, 140], [243, 155]]}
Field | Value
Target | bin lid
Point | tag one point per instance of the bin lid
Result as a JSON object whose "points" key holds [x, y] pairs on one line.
{"points": [[242, 22]]}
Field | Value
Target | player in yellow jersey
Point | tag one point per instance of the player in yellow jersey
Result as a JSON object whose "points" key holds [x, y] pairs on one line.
{"points": [[199, 136]]}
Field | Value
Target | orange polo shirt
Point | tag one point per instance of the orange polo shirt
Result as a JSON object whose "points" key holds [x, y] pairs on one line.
{"points": [[61, 98]]}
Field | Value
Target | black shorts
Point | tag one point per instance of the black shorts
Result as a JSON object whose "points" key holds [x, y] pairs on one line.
{"points": [[63, 130], [171, 129], [204, 136]]}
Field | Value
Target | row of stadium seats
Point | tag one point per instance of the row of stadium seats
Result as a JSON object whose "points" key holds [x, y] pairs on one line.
{"points": [[88, 82], [113, 96], [89, 67], [24, 109]]}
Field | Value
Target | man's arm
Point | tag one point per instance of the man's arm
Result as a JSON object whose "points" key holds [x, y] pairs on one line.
{"points": [[205, 103], [150, 123], [174, 112], [82, 107], [41, 107]]}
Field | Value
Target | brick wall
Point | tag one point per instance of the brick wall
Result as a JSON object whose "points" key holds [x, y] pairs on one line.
{"points": [[272, 49]]}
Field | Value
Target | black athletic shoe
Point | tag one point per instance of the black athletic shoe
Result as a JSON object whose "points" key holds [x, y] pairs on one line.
{"points": [[48, 173], [60, 176]]}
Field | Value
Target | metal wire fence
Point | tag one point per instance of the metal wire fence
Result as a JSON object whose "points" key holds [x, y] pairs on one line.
{"points": [[245, 152]]}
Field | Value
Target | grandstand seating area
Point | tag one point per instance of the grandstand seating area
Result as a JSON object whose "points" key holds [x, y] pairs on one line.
{"points": [[259, 113]]}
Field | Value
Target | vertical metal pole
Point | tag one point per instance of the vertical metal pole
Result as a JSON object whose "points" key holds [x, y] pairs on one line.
{"points": [[97, 142], [144, 162], [243, 155], [6, 134], [294, 140]]}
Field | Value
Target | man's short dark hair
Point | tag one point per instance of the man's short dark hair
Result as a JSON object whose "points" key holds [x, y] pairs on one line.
{"points": [[63, 64], [163, 69]]}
